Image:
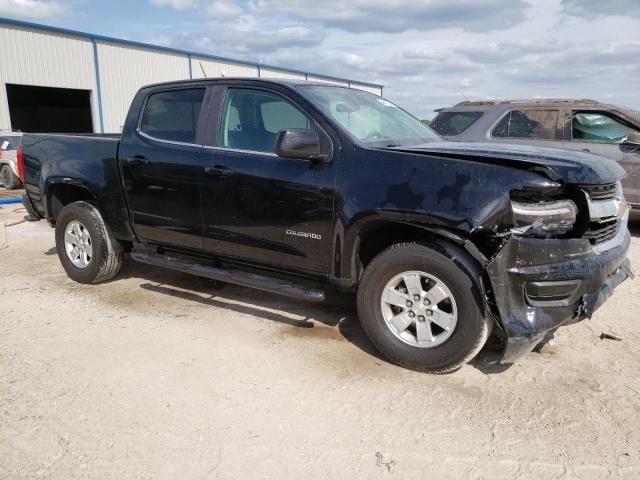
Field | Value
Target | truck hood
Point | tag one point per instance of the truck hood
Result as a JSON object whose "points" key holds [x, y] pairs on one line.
{"points": [[560, 165]]}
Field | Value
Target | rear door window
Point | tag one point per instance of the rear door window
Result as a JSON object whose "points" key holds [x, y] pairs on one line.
{"points": [[454, 123], [173, 115], [538, 124], [598, 127]]}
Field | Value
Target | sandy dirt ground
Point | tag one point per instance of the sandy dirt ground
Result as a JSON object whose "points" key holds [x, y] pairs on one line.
{"points": [[159, 375]]}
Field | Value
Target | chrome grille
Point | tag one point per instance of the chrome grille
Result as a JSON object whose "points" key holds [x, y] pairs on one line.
{"points": [[599, 232], [606, 191], [604, 202]]}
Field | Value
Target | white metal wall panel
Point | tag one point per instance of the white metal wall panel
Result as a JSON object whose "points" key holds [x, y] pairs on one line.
{"points": [[219, 68], [281, 74], [30, 55], [124, 69], [46, 59], [367, 88], [313, 78]]}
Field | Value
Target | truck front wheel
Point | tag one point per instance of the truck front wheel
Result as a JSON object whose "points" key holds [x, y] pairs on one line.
{"points": [[87, 251], [421, 308]]}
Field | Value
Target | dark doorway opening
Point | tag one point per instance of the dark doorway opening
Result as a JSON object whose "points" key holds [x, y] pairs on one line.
{"points": [[49, 110]]}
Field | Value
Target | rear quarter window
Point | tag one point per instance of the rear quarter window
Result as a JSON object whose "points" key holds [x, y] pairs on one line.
{"points": [[9, 142], [454, 123], [173, 115]]}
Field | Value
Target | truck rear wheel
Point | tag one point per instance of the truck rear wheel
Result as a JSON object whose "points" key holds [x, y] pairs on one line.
{"points": [[87, 251], [421, 309]]}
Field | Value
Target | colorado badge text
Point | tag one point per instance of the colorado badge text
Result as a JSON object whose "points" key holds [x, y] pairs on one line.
{"points": [[314, 236]]}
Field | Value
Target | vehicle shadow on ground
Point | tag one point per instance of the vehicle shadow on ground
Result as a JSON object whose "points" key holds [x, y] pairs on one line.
{"points": [[338, 310], [634, 229]]}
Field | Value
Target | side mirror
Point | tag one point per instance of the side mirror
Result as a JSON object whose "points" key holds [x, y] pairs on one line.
{"points": [[632, 139], [300, 143]]}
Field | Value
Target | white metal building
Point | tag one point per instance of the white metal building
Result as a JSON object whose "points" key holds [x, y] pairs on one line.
{"points": [[54, 79]]}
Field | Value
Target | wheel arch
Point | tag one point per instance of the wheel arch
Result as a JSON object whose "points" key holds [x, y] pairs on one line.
{"points": [[377, 234], [370, 237], [62, 192]]}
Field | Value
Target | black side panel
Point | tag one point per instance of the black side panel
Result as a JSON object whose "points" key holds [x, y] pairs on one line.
{"points": [[161, 185], [161, 169], [87, 162]]}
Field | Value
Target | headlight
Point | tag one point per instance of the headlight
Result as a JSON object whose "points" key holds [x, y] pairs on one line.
{"points": [[543, 219]]}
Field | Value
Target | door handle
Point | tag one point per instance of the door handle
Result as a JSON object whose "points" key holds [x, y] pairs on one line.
{"points": [[138, 161], [220, 171]]}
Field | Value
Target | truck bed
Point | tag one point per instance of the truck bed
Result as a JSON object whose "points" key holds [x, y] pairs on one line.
{"points": [[64, 159]]}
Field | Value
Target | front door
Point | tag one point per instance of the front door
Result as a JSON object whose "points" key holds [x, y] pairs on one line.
{"points": [[602, 133], [161, 168], [257, 206]]}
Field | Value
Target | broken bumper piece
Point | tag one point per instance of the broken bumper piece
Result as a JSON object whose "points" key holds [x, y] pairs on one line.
{"points": [[542, 284]]}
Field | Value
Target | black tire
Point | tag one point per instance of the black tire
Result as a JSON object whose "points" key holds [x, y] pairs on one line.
{"points": [[9, 180], [107, 253], [459, 273]]}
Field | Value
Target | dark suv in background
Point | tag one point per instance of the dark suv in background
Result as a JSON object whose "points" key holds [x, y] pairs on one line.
{"points": [[586, 125]]}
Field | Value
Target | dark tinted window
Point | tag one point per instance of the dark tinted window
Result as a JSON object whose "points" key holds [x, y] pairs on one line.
{"points": [[173, 115], [252, 119], [541, 124], [598, 127], [454, 123]]}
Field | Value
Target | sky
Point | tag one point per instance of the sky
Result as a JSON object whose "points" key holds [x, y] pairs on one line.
{"points": [[427, 53]]}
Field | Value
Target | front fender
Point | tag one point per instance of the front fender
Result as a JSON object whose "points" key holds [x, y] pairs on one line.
{"points": [[415, 225]]}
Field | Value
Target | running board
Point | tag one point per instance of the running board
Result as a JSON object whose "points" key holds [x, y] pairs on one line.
{"points": [[237, 277]]}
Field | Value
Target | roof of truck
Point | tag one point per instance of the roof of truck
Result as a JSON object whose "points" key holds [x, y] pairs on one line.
{"points": [[278, 81]]}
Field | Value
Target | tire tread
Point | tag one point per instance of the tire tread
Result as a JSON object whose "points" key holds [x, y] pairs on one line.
{"points": [[457, 259], [107, 250]]}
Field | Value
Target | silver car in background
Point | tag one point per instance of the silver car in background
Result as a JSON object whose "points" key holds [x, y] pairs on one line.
{"points": [[9, 142], [585, 125]]}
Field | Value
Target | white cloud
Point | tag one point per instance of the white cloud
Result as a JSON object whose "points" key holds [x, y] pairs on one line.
{"points": [[400, 15], [223, 9], [248, 40], [596, 8], [434, 53], [177, 4], [31, 9]]}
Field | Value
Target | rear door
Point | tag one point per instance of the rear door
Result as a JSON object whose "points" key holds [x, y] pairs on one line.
{"points": [[530, 126], [160, 161], [258, 207]]}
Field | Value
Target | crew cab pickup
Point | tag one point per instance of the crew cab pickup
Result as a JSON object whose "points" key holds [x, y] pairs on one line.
{"points": [[298, 188]]}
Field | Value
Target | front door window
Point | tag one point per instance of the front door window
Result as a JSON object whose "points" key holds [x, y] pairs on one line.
{"points": [[252, 119], [598, 127]]}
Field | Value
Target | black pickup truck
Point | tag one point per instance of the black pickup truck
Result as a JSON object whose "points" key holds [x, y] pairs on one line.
{"points": [[296, 188]]}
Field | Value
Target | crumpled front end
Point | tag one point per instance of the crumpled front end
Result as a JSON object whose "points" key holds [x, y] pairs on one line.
{"points": [[542, 284]]}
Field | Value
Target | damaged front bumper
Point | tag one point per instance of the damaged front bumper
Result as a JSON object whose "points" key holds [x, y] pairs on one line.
{"points": [[542, 284]]}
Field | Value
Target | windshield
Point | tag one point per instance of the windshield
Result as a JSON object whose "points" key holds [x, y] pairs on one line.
{"points": [[368, 118]]}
